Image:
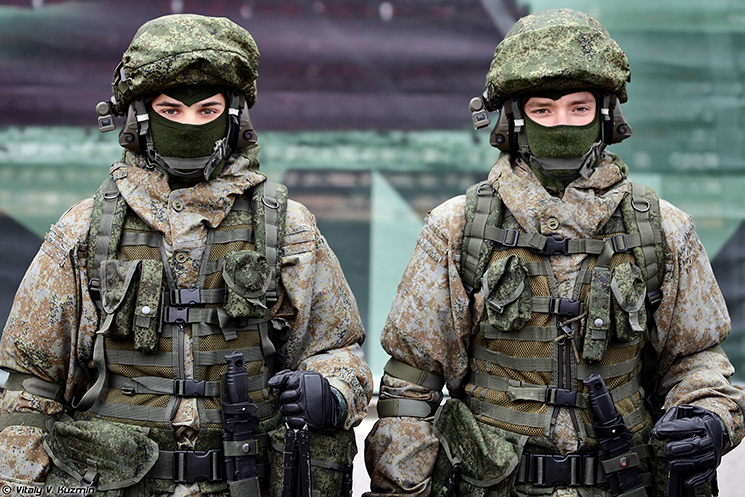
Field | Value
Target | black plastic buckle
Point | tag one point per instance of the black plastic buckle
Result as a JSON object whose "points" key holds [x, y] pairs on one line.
{"points": [[514, 234], [193, 465], [566, 307], [621, 247], [561, 397], [94, 288], [185, 296], [176, 314], [553, 470], [654, 298], [188, 388], [555, 245]]}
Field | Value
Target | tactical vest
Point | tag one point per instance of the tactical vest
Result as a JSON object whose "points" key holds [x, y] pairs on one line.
{"points": [[139, 347], [531, 349]]}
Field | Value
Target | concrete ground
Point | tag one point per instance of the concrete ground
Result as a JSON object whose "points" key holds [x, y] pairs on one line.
{"points": [[730, 471]]}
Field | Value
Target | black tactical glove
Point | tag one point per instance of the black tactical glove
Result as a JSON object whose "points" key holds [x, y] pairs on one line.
{"points": [[698, 440], [306, 396]]}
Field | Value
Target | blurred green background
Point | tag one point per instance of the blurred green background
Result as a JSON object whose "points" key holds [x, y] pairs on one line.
{"points": [[363, 112]]}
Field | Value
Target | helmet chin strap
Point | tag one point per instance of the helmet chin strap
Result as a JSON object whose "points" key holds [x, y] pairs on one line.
{"points": [[580, 166], [186, 167]]}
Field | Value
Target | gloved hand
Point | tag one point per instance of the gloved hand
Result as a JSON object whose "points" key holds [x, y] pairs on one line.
{"points": [[306, 397], [697, 443]]}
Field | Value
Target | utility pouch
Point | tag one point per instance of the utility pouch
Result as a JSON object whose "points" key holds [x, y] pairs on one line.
{"points": [[246, 275], [474, 458], [629, 292], [598, 321], [331, 455], [119, 296], [507, 294], [147, 319], [95, 453]]}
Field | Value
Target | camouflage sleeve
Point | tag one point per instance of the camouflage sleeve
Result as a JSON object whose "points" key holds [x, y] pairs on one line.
{"points": [[49, 327], [427, 328], [326, 331], [691, 321]]}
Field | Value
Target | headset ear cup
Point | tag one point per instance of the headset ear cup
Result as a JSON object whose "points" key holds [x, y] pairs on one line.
{"points": [[245, 134], [620, 129], [501, 134], [129, 136]]}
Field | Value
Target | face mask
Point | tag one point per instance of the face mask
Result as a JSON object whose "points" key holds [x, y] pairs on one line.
{"points": [[563, 141], [172, 139]]}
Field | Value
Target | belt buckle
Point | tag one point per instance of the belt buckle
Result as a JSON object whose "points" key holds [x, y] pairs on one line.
{"points": [[558, 470], [192, 465]]}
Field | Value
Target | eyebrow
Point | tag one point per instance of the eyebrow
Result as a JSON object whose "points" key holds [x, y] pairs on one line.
{"points": [[211, 103]]}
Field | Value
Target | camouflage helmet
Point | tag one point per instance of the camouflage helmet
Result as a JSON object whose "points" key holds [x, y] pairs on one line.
{"points": [[556, 49], [186, 49]]}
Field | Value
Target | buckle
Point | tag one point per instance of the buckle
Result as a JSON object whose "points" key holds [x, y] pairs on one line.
{"points": [[176, 315], [188, 388], [515, 236], [94, 288], [552, 470], [185, 296], [192, 465], [555, 245], [654, 298], [561, 397], [564, 307], [619, 247]]}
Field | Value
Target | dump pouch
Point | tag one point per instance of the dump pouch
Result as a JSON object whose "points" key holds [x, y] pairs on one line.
{"points": [[598, 322], [629, 292], [331, 456], [474, 458], [246, 275], [92, 452], [507, 294]]}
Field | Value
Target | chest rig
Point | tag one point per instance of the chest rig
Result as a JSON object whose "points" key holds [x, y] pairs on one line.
{"points": [[139, 347], [531, 349]]}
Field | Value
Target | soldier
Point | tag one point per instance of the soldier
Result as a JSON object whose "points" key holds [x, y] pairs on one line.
{"points": [[169, 324], [568, 310]]}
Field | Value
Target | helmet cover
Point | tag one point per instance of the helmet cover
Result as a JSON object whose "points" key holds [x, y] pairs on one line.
{"points": [[186, 49], [556, 49]]}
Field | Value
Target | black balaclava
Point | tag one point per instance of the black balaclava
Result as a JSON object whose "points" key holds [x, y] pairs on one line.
{"points": [[177, 142]]}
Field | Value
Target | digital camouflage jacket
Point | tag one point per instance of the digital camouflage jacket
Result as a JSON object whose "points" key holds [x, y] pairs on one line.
{"points": [[53, 320], [431, 320]]}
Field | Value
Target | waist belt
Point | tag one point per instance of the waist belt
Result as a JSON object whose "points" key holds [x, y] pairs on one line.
{"points": [[548, 470]]}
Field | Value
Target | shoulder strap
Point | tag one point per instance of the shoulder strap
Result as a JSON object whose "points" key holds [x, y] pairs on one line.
{"points": [[269, 203], [483, 210], [640, 211], [105, 232]]}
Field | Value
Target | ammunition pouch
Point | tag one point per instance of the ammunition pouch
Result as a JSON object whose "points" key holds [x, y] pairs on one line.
{"points": [[331, 456], [474, 457]]}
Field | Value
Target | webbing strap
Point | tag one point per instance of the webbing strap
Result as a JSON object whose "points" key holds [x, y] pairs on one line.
{"points": [[517, 363], [406, 407], [149, 239], [271, 205], [99, 361], [529, 419], [649, 237], [401, 370], [33, 419], [610, 370], [163, 414], [108, 198], [33, 385], [207, 358], [157, 385], [248, 487], [527, 334], [474, 233], [237, 235]]}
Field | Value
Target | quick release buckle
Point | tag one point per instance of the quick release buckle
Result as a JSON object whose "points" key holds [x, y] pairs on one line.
{"points": [[188, 388], [176, 315], [564, 307], [552, 470], [192, 465], [555, 245], [185, 296], [561, 397]]}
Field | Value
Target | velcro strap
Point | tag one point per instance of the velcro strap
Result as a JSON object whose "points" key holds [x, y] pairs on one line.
{"points": [[406, 407], [401, 370]]}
